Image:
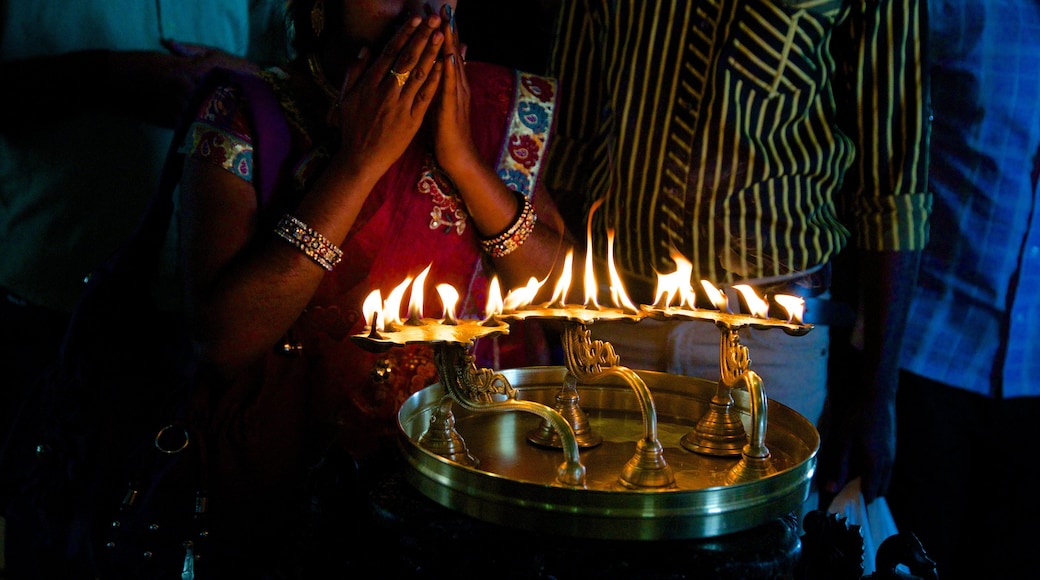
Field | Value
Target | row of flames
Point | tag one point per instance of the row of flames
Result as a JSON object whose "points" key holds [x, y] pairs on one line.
{"points": [[674, 295]]}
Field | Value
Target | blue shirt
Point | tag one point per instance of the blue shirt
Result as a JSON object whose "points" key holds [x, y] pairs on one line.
{"points": [[975, 319]]}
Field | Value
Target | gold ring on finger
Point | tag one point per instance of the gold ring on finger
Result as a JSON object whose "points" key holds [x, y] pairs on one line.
{"points": [[402, 77]]}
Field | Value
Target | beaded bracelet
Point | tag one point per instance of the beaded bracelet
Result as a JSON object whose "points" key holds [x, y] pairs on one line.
{"points": [[316, 246], [515, 235]]}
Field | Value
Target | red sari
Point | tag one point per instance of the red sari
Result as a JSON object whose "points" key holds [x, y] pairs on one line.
{"points": [[277, 420]]}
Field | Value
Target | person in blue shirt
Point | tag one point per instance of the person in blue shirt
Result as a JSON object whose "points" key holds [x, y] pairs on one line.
{"points": [[968, 394]]}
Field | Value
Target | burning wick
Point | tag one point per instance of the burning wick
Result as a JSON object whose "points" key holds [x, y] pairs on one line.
{"points": [[591, 289], [559, 298], [716, 296], [449, 297], [370, 308], [494, 303], [522, 297], [374, 334], [676, 283], [415, 305], [794, 305], [392, 306], [756, 306], [617, 289]]}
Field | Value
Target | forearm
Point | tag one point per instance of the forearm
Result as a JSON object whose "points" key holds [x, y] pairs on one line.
{"points": [[887, 281], [885, 108], [247, 287], [493, 208]]}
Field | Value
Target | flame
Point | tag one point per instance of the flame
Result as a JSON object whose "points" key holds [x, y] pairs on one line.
{"points": [[370, 309], [392, 306], [494, 300], [676, 283], [415, 304], [794, 305], [756, 306], [716, 296], [563, 284], [591, 289], [517, 298], [617, 289], [449, 297]]}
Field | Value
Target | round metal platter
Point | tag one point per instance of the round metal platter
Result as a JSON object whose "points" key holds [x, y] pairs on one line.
{"points": [[514, 481]]}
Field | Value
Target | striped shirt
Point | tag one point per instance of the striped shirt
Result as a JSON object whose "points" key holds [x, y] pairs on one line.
{"points": [[975, 316], [753, 137]]}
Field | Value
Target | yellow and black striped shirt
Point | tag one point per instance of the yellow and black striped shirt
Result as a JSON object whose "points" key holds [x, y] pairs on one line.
{"points": [[743, 134]]}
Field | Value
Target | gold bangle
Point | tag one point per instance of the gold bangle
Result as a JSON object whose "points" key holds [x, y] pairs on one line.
{"points": [[316, 246], [505, 243]]}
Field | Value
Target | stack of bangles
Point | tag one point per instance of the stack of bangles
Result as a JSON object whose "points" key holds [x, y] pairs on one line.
{"points": [[505, 243], [316, 246]]}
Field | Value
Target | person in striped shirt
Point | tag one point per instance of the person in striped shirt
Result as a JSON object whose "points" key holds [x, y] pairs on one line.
{"points": [[757, 140]]}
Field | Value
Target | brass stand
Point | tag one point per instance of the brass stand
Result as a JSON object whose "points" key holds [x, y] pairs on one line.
{"points": [[754, 463], [567, 405], [442, 439], [595, 362], [720, 432], [485, 390]]}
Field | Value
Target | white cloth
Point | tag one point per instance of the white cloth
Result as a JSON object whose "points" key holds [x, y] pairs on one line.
{"points": [[793, 368], [874, 519]]}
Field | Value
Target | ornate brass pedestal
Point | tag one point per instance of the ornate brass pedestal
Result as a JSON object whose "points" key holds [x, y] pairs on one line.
{"points": [[727, 474], [515, 482]]}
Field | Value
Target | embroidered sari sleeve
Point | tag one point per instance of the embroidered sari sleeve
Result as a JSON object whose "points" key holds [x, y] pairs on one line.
{"points": [[219, 134], [529, 128]]}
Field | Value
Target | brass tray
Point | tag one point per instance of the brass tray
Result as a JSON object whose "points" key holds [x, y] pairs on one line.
{"points": [[514, 481]]}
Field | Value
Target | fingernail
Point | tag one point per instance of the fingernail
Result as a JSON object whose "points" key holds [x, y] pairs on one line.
{"points": [[451, 16], [362, 52]]}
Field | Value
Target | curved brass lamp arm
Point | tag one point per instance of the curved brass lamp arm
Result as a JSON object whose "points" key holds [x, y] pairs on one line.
{"points": [[483, 390], [594, 361]]}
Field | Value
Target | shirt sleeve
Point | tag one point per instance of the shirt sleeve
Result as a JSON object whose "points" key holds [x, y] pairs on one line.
{"points": [[883, 97], [575, 63], [219, 134]]}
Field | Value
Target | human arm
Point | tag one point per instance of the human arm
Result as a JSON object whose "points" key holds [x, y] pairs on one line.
{"points": [[246, 287], [491, 205], [888, 205]]}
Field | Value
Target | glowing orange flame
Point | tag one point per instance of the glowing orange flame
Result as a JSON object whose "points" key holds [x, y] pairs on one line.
{"points": [[591, 288], [415, 304], [676, 283], [392, 306], [563, 283], [494, 299], [756, 306], [371, 310], [617, 289], [794, 305], [449, 297], [717, 298], [517, 298]]}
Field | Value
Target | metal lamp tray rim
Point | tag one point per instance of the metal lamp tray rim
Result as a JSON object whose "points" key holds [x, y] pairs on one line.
{"points": [[500, 488]]}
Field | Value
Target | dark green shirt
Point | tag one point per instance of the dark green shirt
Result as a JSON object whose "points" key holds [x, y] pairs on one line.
{"points": [[753, 137]]}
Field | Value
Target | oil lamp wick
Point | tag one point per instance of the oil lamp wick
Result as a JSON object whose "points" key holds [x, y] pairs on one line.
{"points": [[374, 333]]}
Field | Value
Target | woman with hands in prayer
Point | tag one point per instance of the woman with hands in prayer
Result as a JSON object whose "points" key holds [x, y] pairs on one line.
{"points": [[400, 156]]}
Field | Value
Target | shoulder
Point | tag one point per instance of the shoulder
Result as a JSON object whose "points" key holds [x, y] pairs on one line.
{"points": [[522, 106], [494, 82], [506, 100]]}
